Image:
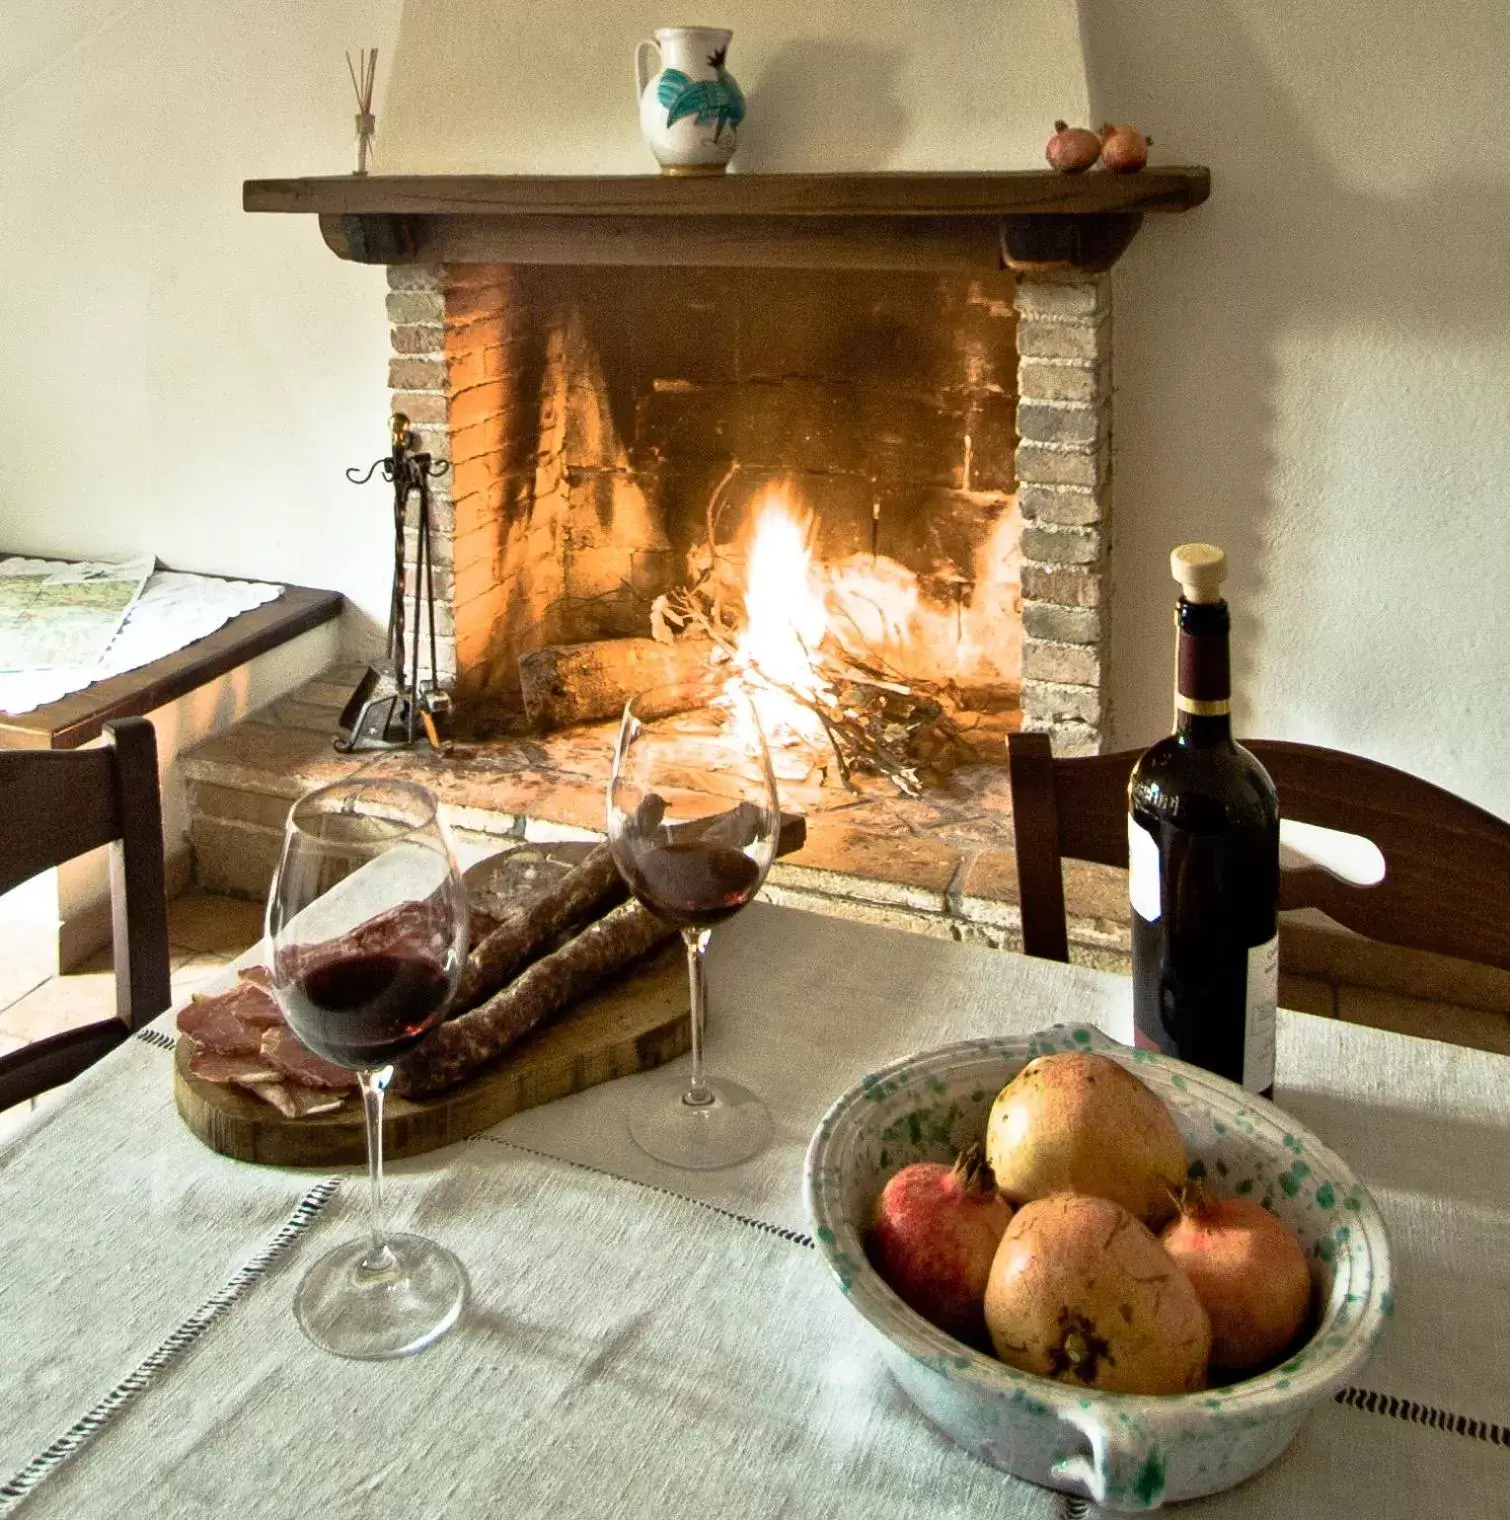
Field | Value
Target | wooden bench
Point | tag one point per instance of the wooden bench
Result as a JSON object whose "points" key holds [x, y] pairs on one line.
{"points": [[76, 719]]}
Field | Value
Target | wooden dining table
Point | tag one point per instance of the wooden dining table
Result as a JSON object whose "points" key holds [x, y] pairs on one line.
{"points": [[646, 1341]]}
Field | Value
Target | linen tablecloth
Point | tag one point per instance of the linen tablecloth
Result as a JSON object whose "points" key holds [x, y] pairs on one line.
{"points": [[647, 1341]]}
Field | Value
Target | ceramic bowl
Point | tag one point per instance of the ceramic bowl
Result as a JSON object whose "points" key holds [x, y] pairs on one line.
{"points": [[1124, 1451]]}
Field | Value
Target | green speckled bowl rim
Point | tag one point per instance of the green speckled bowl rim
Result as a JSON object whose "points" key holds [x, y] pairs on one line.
{"points": [[1361, 1271]]}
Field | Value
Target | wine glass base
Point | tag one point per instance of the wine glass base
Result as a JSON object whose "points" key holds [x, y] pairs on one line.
{"points": [[344, 1307], [699, 1137]]}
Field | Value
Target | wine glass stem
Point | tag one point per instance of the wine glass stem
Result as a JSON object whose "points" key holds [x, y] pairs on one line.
{"points": [[697, 1094], [374, 1084]]}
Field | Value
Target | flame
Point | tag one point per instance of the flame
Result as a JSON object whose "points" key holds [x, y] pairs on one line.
{"points": [[870, 607], [972, 632], [785, 619]]}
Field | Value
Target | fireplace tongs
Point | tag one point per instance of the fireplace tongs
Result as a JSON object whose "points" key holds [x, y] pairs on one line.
{"points": [[388, 710]]}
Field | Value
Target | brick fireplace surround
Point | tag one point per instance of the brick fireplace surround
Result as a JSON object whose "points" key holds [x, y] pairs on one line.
{"points": [[1021, 424], [1033, 383]]}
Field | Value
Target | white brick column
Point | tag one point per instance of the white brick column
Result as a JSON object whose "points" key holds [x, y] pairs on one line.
{"points": [[1064, 492], [419, 384]]}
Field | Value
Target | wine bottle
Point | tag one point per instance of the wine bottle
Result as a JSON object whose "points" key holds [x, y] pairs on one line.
{"points": [[1203, 848]]}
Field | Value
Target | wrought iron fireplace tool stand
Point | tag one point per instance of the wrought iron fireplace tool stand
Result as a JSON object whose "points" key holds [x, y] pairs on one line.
{"points": [[391, 708]]}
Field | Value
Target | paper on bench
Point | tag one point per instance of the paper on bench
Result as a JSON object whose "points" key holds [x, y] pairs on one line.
{"points": [[174, 609]]}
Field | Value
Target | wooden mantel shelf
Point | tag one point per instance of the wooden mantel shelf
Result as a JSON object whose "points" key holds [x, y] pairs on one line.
{"points": [[1033, 220]]}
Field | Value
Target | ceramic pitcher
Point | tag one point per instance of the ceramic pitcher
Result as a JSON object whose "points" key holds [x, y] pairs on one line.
{"points": [[690, 107]]}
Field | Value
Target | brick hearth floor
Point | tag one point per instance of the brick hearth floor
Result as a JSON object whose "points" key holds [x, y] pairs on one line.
{"points": [[941, 866]]}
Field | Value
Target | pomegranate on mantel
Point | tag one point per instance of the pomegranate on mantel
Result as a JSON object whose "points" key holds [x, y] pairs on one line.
{"points": [[1124, 149], [1072, 150]]}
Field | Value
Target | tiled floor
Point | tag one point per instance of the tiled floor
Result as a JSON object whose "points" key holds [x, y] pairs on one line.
{"points": [[205, 934]]}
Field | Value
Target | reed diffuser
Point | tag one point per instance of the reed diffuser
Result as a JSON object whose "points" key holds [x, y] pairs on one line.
{"points": [[363, 77]]}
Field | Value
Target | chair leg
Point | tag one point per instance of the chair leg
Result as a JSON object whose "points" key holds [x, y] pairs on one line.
{"points": [[138, 892], [1035, 827]]}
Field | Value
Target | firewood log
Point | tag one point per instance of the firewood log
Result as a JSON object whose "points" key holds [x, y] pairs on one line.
{"points": [[565, 684]]}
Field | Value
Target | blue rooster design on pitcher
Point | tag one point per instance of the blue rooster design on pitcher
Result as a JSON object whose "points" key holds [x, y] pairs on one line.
{"points": [[719, 100]]}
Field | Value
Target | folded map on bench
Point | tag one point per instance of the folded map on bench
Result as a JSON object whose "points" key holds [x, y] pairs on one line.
{"points": [[48, 617], [55, 614]]}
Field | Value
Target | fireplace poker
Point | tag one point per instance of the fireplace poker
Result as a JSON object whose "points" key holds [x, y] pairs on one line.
{"points": [[391, 708]]}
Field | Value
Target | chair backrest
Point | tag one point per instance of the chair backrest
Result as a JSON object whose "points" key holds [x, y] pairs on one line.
{"points": [[1446, 886], [54, 806]]}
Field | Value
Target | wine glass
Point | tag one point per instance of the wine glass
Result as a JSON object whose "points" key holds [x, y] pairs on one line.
{"points": [[693, 822], [367, 923]]}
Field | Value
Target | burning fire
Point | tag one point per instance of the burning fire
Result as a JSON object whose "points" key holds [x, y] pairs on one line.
{"points": [[873, 607], [785, 619], [861, 660]]}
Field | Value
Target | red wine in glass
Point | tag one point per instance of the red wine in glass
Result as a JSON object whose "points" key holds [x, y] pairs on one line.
{"points": [[367, 1010], [692, 822], [367, 924], [693, 885]]}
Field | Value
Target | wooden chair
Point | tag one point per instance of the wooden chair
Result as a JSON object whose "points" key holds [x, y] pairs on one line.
{"points": [[55, 805], [1446, 886]]}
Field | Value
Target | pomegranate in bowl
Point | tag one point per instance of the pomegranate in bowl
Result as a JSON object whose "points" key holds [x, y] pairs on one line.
{"points": [[1124, 1451]]}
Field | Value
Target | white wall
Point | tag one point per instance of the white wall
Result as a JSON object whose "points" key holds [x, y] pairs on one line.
{"points": [[1310, 368], [190, 380], [176, 376], [537, 87]]}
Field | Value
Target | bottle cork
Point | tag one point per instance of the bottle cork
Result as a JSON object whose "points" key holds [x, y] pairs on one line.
{"points": [[1200, 569]]}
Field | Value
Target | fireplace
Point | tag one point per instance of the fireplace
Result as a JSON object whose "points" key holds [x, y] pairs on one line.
{"points": [[940, 439], [911, 371]]}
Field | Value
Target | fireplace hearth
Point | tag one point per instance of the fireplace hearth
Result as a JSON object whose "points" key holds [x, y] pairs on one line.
{"points": [[922, 359], [947, 434], [941, 864]]}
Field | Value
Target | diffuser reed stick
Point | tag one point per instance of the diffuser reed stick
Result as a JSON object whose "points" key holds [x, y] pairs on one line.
{"points": [[363, 78]]}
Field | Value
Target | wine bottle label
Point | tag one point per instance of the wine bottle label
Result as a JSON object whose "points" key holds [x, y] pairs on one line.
{"points": [[1258, 1029], [1144, 886]]}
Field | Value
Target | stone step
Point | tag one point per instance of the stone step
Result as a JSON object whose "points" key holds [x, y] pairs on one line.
{"points": [[940, 865]]}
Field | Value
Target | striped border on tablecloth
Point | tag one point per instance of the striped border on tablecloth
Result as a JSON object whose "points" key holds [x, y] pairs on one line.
{"points": [[1372, 1402], [1363, 1400], [145, 1373], [1366, 1400]]}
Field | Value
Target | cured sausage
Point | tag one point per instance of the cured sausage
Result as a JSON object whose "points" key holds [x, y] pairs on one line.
{"points": [[466, 1044], [586, 892]]}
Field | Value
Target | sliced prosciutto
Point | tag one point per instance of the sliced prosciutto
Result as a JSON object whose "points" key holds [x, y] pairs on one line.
{"points": [[296, 1102], [240, 1071], [231, 1023], [286, 1053], [238, 1038], [257, 1005], [261, 1079]]}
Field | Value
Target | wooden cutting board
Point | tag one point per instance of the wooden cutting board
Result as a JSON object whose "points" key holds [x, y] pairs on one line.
{"points": [[633, 1024]]}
